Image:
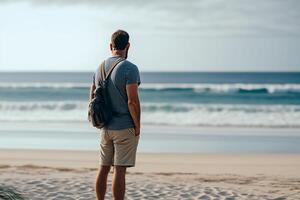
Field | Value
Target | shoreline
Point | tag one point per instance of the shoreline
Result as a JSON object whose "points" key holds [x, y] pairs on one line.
{"points": [[154, 139], [166, 128]]}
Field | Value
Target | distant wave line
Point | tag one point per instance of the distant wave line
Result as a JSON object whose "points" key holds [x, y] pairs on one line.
{"points": [[198, 88]]}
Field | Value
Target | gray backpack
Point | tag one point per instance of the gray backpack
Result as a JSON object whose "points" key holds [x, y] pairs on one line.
{"points": [[99, 109]]}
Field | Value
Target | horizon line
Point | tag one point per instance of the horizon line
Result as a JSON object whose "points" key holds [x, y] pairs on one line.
{"points": [[78, 71]]}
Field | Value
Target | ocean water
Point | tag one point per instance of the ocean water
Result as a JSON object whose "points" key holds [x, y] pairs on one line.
{"points": [[176, 99]]}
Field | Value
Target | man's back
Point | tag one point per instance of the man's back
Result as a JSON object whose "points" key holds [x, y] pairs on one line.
{"points": [[120, 138], [123, 74]]}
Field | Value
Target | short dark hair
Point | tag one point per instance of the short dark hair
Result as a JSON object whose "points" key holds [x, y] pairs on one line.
{"points": [[119, 39]]}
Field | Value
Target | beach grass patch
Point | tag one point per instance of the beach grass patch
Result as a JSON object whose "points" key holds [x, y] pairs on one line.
{"points": [[10, 193]]}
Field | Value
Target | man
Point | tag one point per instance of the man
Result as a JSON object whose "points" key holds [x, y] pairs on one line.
{"points": [[119, 139]]}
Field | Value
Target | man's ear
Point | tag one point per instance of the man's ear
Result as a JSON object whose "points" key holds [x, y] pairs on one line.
{"points": [[111, 46], [126, 50], [127, 46]]}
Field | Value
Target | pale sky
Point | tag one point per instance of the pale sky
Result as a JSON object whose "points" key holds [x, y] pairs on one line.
{"points": [[168, 35]]}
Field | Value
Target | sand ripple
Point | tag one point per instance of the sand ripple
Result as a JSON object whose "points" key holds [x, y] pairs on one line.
{"points": [[37, 183]]}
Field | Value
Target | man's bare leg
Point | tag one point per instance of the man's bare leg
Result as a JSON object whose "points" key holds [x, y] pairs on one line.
{"points": [[118, 185], [101, 182]]}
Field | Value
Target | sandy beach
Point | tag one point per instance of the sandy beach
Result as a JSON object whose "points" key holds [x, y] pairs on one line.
{"points": [[56, 174]]}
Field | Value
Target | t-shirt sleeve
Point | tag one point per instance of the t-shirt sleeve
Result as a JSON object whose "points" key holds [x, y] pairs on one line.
{"points": [[133, 75]]}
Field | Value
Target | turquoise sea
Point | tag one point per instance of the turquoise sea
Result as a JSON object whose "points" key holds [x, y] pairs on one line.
{"points": [[185, 99], [181, 112]]}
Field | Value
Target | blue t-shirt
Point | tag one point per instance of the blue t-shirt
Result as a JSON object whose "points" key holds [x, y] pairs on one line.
{"points": [[124, 73]]}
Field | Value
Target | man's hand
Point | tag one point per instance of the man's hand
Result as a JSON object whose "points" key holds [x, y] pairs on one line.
{"points": [[137, 131]]}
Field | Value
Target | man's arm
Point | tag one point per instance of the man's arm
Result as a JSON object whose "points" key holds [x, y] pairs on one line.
{"points": [[134, 106], [92, 89]]}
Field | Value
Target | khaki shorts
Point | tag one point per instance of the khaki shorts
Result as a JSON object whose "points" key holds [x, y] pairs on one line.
{"points": [[118, 147]]}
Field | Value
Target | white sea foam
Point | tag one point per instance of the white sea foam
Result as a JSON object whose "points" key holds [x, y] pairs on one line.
{"points": [[59, 106], [162, 113], [17, 85], [199, 87], [227, 115], [270, 88]]}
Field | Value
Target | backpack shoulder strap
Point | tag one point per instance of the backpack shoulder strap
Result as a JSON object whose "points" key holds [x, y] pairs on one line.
{"points": [[111, 68], [102, 71]]}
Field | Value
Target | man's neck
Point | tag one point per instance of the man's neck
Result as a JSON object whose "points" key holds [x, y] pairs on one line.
{"points": [[119, 53]]}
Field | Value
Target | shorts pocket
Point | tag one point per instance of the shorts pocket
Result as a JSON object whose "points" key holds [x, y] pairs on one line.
{"points": [[104, 137]]}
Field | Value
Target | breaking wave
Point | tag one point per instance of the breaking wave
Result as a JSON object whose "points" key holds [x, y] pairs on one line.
{"points": [[162, 113]]}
